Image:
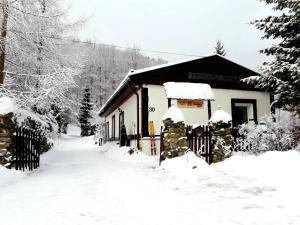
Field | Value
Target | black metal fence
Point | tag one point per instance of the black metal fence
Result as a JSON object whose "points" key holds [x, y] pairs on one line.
{"points": [[28, 150]]}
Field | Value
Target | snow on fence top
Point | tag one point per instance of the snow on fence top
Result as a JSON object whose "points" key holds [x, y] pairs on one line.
{"points": [[220, 116], [190, 91], [174, 114]]}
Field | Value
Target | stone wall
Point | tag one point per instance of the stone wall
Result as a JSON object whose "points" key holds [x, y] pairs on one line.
{"points": [[223, 141], [175, 140], [7, 147]]}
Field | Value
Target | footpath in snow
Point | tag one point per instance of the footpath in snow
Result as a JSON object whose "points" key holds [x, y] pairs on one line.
{"points": [[81, 183]]}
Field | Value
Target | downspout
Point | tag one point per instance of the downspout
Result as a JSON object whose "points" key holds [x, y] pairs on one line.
{"points": [[137, 112]]}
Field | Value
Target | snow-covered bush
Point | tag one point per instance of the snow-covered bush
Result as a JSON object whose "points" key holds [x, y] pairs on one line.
{"points": [[275, 133]]}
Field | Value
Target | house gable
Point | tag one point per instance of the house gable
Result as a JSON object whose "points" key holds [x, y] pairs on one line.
{"points": [[214, 70]]}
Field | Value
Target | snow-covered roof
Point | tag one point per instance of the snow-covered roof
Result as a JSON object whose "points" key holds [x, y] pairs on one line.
{"points": [[141, 71], [123, 82], [185, 90], [220, 116], [133, 72], [174, 114]]}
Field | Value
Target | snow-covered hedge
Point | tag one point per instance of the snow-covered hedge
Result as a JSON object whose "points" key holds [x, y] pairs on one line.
{"points": [[276, 133], [27, 118]]}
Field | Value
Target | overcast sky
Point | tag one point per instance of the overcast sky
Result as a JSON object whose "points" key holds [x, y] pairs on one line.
{"points": [[181, 26]]}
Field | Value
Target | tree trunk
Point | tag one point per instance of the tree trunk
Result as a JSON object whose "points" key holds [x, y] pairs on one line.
{"points": [[3, 28]]}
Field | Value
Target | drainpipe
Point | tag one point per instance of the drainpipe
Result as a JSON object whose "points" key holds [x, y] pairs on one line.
{"points": [[137, 112]]}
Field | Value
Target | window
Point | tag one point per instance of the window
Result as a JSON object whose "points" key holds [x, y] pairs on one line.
{"points": [[113, 127], [190, 103]]}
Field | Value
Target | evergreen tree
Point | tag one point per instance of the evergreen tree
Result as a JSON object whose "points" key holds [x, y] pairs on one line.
{"points": [[62, 118], [281, 76], [220, 48], [85, 113]]}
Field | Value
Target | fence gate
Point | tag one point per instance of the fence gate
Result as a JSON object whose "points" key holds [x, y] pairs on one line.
{"points": [[27, 149], [200, 141]]}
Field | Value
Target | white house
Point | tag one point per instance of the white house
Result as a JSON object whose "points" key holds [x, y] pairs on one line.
{"points": [[141, 97]]}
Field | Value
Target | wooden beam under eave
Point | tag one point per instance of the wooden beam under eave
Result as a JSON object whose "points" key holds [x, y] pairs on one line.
{"points": [[169, 102], [209, 109]]}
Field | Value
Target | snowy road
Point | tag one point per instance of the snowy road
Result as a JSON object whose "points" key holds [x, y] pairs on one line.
{"points": [[79, 184]]}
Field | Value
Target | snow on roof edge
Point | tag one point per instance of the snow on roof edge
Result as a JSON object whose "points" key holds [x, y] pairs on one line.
{"points": [[165, 65], [114, 93]]}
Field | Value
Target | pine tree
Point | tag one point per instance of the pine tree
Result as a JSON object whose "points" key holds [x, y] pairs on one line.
{"points": [[85, 113], [220, 48], [281, 76]]}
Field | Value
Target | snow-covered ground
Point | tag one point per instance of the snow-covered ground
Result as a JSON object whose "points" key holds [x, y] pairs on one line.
{"points": [[81, 183]]}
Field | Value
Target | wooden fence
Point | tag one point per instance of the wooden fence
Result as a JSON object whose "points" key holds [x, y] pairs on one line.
{"points": [[200, 141], [27, 149]]}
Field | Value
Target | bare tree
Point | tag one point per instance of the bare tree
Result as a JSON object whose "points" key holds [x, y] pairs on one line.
{"points": [[4, 16]]}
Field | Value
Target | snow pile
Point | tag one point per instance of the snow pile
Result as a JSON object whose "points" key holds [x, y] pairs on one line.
{"points": [[220, 116], [81, 185], [187, 167], [128, 154], [7, 105], [8, 176], [275, 169], [185, 90], [174, 114]]}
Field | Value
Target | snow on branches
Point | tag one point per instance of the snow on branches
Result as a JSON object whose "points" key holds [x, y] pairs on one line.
{"points": [[39, 73], [30, 90], [281, 76], [276, 133]]}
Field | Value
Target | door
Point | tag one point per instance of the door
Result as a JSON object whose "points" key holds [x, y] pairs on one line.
{"points": [[121, 122], [243, 111], [107, 131], [240, 114], [113, 128]]}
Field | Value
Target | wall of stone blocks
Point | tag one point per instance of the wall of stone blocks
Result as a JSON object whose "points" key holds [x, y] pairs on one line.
{"points": [[7, 148]]}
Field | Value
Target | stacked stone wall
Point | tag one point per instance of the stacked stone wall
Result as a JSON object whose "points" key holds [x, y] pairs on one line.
{"points": [[175, 140], [223, 141], [7, 146]]}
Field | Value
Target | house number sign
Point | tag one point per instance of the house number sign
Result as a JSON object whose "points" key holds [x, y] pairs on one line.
{"points": [[151, 109]]}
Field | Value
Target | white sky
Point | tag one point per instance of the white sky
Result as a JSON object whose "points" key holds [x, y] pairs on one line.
{"points": [[182, 26]]}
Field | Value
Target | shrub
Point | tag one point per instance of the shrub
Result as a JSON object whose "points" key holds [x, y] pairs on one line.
{"points": [[275, 133]]}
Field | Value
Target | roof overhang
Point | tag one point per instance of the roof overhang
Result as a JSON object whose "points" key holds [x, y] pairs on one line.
{"points": [[214, 70]]}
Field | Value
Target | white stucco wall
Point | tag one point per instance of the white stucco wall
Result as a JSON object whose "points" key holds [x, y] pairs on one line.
{"points": [[158, 100], [146, 145], [130, 116], [223, 98]]}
